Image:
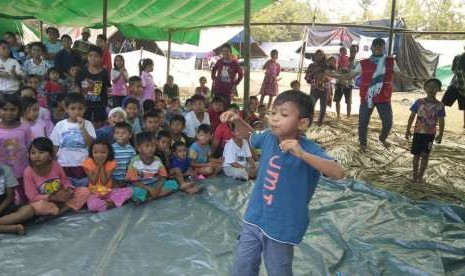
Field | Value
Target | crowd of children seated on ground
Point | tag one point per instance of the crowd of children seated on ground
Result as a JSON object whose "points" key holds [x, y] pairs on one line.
{"points": [[67, 143]]}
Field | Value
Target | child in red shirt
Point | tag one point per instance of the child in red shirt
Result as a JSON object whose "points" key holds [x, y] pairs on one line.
{"points": [[53, 87]]}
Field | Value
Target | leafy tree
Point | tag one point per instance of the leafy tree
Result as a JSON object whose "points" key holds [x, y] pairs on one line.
{"points": [[430, 15], [366, 7], [286, 11]]}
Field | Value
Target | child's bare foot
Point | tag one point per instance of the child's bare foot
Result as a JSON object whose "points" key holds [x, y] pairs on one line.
{"points": [[386, 144], [110, 204], [194, 189], [17, 229], [363, 148]]}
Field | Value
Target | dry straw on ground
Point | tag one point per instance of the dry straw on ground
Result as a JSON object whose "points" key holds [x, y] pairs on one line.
{"points": [[391, 169]]}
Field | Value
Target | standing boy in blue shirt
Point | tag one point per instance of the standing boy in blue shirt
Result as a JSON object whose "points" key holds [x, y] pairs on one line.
{"points": [[290, 166]]}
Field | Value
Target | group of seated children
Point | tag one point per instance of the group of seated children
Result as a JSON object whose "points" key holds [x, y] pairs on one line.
{"points": [[141, 153]]}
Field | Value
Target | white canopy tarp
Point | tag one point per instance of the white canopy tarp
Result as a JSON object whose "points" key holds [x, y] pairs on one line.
{"points": [[210, 39]]}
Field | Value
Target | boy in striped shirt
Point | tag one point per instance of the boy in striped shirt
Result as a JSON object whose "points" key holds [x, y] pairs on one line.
{"points": [[124, 152]]}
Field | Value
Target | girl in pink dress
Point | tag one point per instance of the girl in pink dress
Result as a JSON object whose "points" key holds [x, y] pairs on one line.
{"points": [[146, 67], [47, 188], [119, 79], [270, 82], [14, 139]]}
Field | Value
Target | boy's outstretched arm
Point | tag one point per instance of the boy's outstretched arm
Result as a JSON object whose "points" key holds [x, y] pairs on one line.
{"points": [[240, 124], [327, 167], [409, 125]]}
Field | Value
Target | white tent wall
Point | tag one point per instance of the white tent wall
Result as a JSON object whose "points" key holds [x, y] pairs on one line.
{"points": [[288, 57], [181, 69], [447, 49]]}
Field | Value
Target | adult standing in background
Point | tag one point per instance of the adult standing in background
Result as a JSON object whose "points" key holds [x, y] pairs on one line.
{"points": [[226, 74], [456, 89], [270, 82], [17, 50]]}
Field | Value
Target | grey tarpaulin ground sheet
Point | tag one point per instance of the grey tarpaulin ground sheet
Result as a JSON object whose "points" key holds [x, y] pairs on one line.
{"points": [[354, 230]]}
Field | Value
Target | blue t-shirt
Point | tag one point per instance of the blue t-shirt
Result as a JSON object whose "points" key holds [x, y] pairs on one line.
{"points": [[183, 165], [199, 154], [285, 184]]}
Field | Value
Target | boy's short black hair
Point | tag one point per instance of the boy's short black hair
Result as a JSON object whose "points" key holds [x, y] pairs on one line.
{"points": [[188, 101], [52, 69], [132, 80], [123, 125], [303, 101], [197, 98], [148, 105], [32, 76], [205, 129], [144, 137], [96, 49], [178, 144], [253, 98], [163, 134], [130, 100], [295, 82], [218, 99], [178, 118], [437, 81], [66, 36], [152, 113], [378, 41], [102, 37], [73, 98]]}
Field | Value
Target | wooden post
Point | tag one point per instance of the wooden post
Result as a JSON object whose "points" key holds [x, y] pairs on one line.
{"points": [[168, 55], [105, 11], [391, 28], [246, 53]]}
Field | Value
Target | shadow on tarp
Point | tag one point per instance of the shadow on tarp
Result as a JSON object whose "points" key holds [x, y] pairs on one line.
{"points": [[355, 230]]}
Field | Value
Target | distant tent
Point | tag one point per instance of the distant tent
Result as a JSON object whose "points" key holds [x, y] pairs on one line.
{"points": [[411, 57]]}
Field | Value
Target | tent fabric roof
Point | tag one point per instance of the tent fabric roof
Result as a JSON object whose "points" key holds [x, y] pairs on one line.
{"points": [[143, 19]]}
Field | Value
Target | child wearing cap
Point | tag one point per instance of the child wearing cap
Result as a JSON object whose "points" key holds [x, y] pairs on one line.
{"points": [[116, 115]]}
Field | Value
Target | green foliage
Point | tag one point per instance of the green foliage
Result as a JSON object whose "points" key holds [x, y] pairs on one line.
{"points": [[431, 15], [285, 11]]}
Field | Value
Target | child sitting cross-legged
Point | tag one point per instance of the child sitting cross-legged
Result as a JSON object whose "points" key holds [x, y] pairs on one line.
{"points": [[200, 154], [163, 152], [11, 216], [99, 168], [146, 171], [177, 125], [47, 188], [238, 161], [123, 150]]}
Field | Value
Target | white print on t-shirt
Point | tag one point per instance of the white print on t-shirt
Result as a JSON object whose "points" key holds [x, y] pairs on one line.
{"points": [[72, 139], [225, 74]]}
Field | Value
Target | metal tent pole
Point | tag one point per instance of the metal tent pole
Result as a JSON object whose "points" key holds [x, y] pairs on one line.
{"points": [[105, 12], [391, 28], [41, 26], [302, 54], [168, 55], [246, 53]]}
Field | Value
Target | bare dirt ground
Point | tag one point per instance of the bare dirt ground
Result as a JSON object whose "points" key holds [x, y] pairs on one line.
{"points": [[389, 169]]}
